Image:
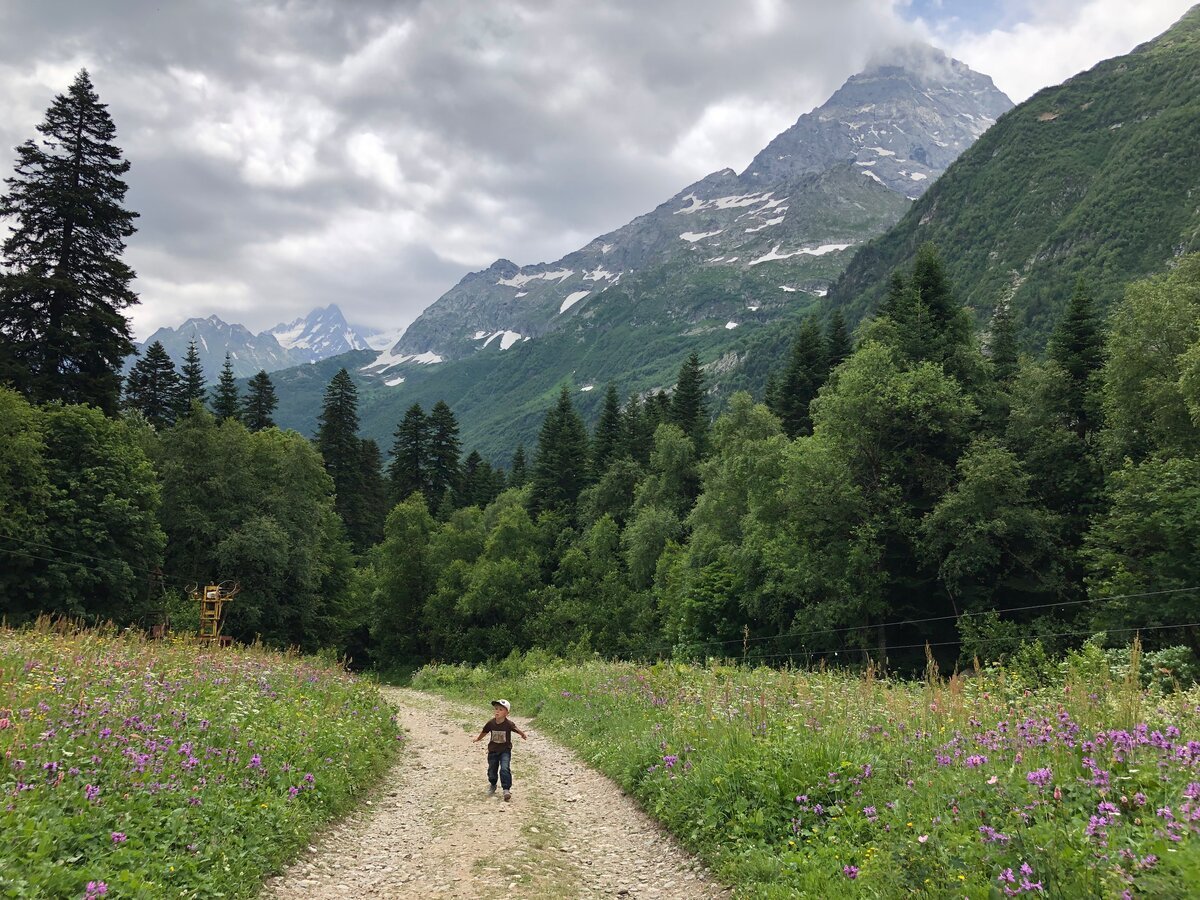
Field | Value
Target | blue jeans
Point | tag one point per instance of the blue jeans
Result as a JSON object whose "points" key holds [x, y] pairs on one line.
{"points": [[500, 761]]}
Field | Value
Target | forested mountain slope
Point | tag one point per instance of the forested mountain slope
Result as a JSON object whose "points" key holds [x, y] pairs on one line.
{"points": [[1098, 177]]}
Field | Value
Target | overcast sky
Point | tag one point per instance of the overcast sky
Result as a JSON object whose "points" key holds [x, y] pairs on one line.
{"points": [[294, 153]]}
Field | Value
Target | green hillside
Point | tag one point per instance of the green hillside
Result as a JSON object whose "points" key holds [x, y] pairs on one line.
{"points": [[500, 397], [1098, 177]]}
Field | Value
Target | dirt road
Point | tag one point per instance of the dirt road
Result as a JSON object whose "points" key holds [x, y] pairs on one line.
{"points": [[432, 832]]}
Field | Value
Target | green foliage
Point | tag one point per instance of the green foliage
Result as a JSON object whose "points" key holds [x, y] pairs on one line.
{"points": [[80, 505], [226, 402], [1144, 544], [560, 469], [153, 389], [256, 507], [66, 286], [240, 757], [1149, 375], [191, 381], [260, 404], [688, 408]]}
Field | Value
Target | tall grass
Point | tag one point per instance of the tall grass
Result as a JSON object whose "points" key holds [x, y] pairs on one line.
{"points": [[1079, 782], [131, 768]]}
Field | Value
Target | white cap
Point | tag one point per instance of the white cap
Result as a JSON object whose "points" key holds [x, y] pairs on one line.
{"points": [[503, 703]]}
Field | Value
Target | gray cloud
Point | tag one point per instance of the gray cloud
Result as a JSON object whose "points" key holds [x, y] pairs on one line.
{"points": [[299, 152]]}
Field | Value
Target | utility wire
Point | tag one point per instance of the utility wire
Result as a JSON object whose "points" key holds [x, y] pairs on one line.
{"points": [[849, 628]]}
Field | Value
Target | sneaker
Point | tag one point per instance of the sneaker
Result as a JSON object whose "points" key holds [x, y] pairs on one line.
{"points": [[491, 791], [507, 796]]}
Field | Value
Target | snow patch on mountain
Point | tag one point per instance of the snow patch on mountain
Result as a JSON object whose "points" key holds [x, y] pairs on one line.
{"points": [[521, 279], [571, 299]]}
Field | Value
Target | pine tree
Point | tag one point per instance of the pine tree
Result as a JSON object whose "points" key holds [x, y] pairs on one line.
{"points": [[191, 380], [688, 409], [607, 443], [1077, 347], [409, 469], [226, 403], [1003, 345], [261, 402], [638, 426], [932, 285], [518, 474], [444, 452], [373, 494], [340, 447], [807, 370], [475, 482], [62, 298], [837, 341], [560, 469], [152, 387]]}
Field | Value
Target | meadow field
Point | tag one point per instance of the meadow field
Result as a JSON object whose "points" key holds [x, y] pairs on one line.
{"points": [[1065, 780], [137, 769]]}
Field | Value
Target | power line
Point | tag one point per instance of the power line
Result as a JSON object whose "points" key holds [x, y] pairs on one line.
{"points": [[849, 628], [44, 546], [955, 643]]}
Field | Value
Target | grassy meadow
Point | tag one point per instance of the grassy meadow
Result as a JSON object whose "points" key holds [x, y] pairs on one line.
{"points": [[1078, 781], [131, 768]]}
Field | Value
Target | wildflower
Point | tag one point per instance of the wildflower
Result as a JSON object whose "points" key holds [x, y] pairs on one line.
{"points": [[91, 792], [1040, 777], [850, 872], [922, 839], [255, 762], [96, 889], [118, 837]]}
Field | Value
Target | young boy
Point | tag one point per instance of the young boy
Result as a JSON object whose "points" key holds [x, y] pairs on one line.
{"points": [[500, 747]]}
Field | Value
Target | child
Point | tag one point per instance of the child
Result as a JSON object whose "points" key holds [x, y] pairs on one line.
{"points": [[500, 747]]}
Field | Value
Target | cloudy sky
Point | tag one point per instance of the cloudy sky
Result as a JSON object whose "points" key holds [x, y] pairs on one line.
{"points": [[293, 153]]}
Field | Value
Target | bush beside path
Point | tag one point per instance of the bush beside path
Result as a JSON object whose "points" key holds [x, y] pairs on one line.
{"points": [[431, 831]]}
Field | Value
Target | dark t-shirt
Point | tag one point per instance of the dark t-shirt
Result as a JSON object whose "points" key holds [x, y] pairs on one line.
{"points": [[501, 735]]}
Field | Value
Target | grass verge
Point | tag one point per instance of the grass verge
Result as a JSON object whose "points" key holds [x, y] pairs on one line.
{"points": [[139, 769], [825, 784]]}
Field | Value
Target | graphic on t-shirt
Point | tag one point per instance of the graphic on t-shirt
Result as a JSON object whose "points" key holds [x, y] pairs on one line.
{"points": [[499, 737]]}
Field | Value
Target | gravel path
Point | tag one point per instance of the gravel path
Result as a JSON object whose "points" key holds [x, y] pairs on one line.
{"points": [[430, 831]]}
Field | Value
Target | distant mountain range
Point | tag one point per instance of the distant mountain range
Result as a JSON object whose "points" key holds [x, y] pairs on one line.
{"points": [[321, 334]]}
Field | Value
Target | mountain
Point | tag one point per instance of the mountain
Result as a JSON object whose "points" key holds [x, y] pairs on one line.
{"points": [[842, 173], [319, 335], [1097, 178], [724, 268]]}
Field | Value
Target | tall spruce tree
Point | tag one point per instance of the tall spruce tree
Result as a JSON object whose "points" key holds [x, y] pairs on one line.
{"points": [[341, 449], [1003, 345], [806, 371], [373, 494], [560, 469], [152, 387], [66, 286], [444, 452], [1077, 347], [261, 402], [688, 409], [191, 380], [408, 470], [475, 482], [837, 341], [519, 473], [607, 444], [226, 402]]}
